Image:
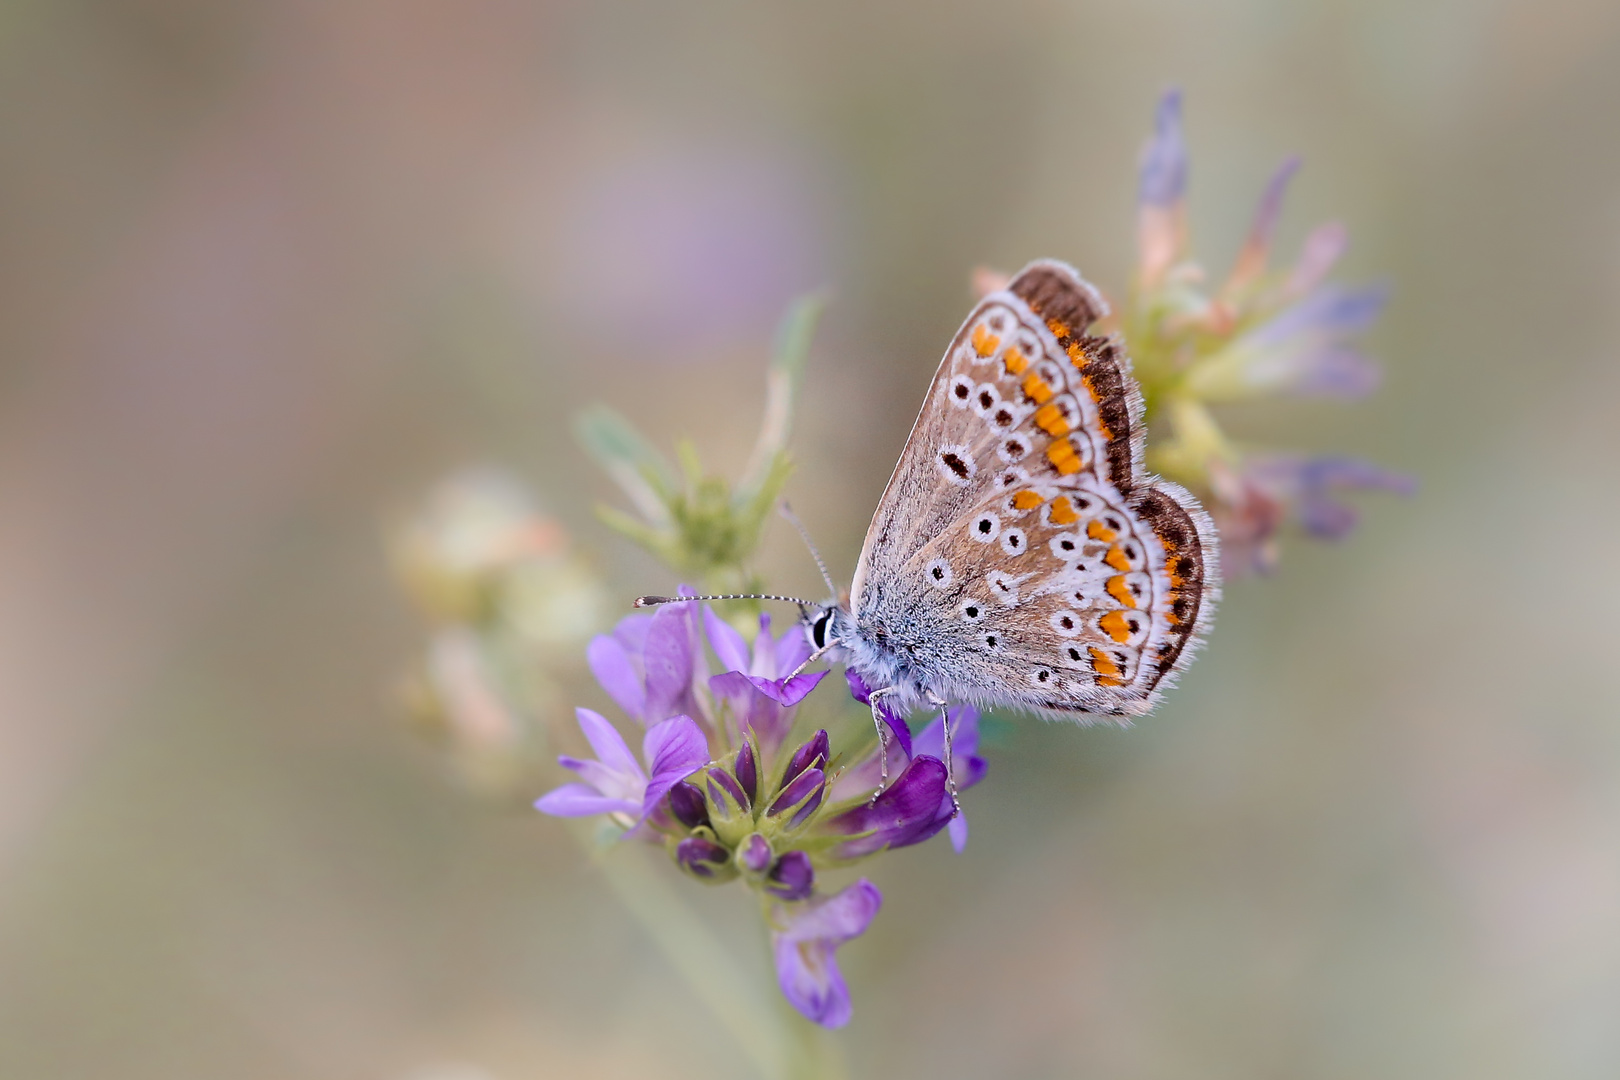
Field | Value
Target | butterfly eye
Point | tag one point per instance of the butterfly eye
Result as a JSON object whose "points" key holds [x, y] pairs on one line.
{"points": [[961, 391], [1064, 544], [939, 574], [1012, 541], [1074, 654], [987, 398], [985, 528], [990, 640], [972, 610], [1042, 676]]}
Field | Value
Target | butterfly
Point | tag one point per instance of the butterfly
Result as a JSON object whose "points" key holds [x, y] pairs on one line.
{"points": [[1021, 556]]}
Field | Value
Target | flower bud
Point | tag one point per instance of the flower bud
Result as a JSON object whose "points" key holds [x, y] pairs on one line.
{"points": [[754, 854], [703, 858], [747, 774], [805, 791], [792, 878], [812, 755], [686, 803]]}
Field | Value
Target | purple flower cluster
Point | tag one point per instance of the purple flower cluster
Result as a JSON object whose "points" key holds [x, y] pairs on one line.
{"points": [[723, 788]]}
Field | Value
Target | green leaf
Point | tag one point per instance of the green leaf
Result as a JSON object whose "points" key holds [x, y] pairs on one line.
{"points": [[792, 346], [639, 470]]}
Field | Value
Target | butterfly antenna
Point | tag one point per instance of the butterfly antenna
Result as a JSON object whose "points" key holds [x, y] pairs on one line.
{"points": [[654, 601], [804, 534]]}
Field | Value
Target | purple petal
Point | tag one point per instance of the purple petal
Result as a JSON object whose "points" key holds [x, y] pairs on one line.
{"points": [[608, 743], [958, 830], [752, 710], [790, 692], [792, 649], [764, 656], [1322, 248], [968, 765], [792, 878], [674, 749], [1163, 172], [580, 800], [802, 814], [668, 658], [1338, 372], [1328, 313], [1326, 517], [800, 789], [806, 951], [907, 813], [613, 667], [727, 644], [1251, 260]]}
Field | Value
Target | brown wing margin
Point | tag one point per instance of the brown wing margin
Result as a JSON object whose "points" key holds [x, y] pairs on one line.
{"points": [[1190, 559], [1069, 306]]}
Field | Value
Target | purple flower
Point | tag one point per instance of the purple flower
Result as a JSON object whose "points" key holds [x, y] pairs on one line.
{"points": [[897, 723], [761, 696], [702, 857], [965, 760], [614, 782], [805, 942], [912, 808]]}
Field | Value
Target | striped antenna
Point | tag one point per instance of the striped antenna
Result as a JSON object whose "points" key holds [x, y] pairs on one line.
{"points": [[654, 601]]}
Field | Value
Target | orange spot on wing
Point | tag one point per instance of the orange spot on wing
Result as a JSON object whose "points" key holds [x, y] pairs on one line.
{"points": [[1063, 457], [1120, 591], [1026, 500], [1062, 512], [1103, 664], [1059, 328], [1077, 355], [1016, 362], [1113, 625], [1116, 558], [1098, 531], [984, 342], [1036, 388], [1050, 419]]}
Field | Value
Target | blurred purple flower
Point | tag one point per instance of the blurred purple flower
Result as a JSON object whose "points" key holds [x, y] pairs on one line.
{"points": [[1270, 489], [614, 782], [805, 941]]}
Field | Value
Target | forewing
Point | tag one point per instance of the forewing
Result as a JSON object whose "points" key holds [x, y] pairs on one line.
{"points": [[1018, 538]]}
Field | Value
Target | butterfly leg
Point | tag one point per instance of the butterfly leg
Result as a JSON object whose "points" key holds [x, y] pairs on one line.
{"points": [[883, 740], [950, 770]]}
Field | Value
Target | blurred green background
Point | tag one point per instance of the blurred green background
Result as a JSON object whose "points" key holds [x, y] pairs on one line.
{"points": [[268, 270]]}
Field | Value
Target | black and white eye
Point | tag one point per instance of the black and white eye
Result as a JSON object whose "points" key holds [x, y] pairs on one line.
{"points": [[985, 528], [1064, 545], [955, 464], [1067, 623], [1004, 416], [939, 574], [1004, 587], [1013, 449], [973, 610], [1043, 678], [992, 641], [1074, 654], [985, 398], [961, 391], [1013, 542]]}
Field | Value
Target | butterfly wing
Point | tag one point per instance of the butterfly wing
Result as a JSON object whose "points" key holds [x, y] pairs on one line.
{"points": [[1020, 555]]}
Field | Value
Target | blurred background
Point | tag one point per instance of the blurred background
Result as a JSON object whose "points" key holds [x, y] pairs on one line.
{"points": [[268, 271]]}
